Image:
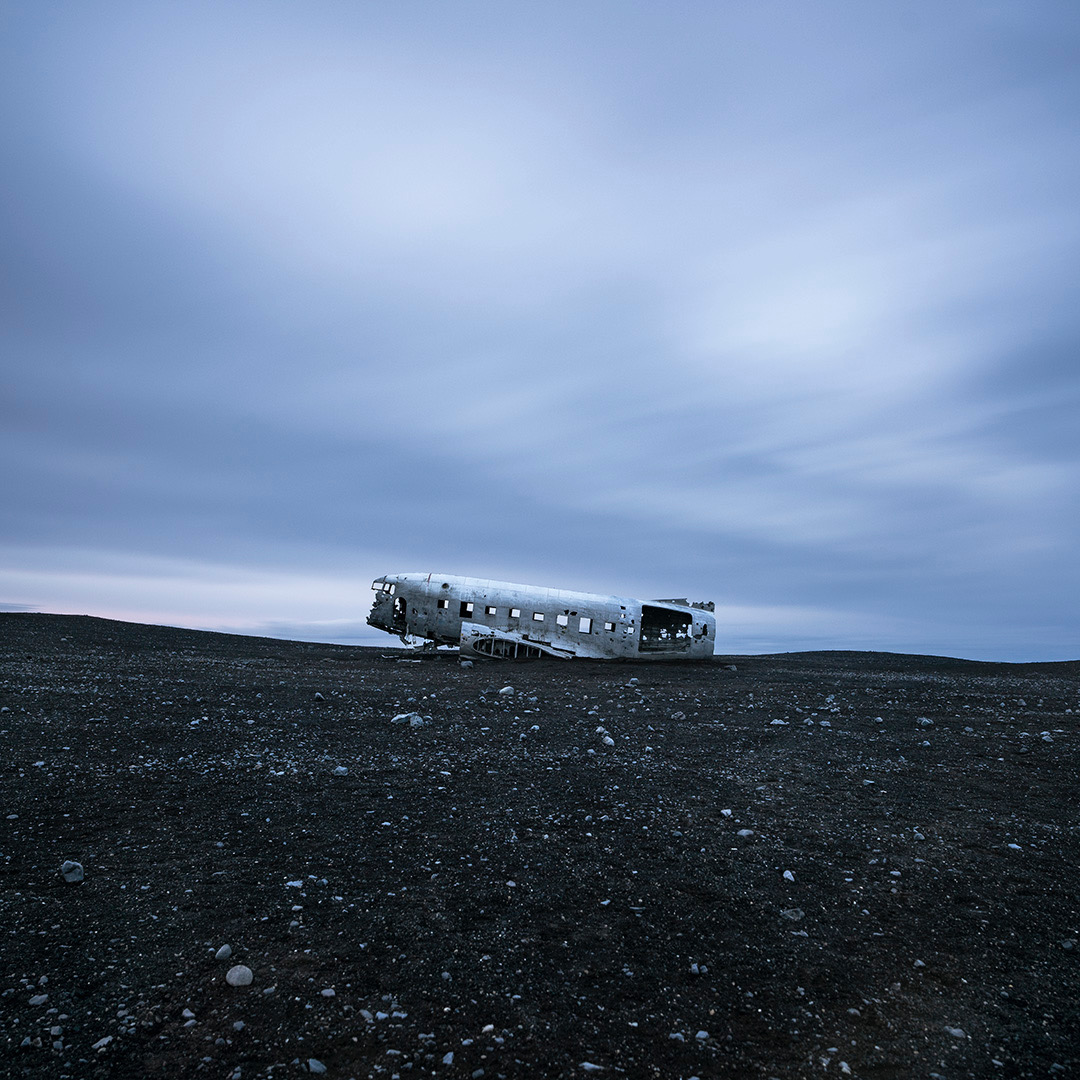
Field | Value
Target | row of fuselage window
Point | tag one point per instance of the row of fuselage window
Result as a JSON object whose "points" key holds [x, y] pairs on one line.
{"points": [[469, 610]]}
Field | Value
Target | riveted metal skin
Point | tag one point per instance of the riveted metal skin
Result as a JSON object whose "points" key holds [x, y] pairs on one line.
{"points": [[502, 620]]}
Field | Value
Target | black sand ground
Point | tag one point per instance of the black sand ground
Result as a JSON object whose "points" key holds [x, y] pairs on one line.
{"points": [[502, 886]]}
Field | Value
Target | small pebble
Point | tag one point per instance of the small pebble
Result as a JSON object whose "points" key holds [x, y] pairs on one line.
{"points": [[239, 976], [72, 872], [314, 1065], [223, 953]]}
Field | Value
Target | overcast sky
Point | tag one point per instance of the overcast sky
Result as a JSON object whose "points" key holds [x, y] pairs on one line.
{"points": [[773, 304]]}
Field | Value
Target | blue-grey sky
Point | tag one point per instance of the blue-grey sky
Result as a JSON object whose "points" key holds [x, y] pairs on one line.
{"points": [[773, 304]]}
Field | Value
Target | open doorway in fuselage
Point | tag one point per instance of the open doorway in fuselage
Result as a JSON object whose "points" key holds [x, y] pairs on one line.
{"points": [[664, 630]]}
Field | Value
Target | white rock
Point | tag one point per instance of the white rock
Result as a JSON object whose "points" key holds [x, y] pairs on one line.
{"points": [[187, 1014], [465, 664], [608, 740], [341, 770], [102, 1043], [778, 723], [314, 1065], [507, 691], [416, 721], [406, 717], [589, 1067], [956, 1033], [448, 1057], [239, 976], [788, 875], [702, 1035], [745, 832], [223, 953], [328, 992], [725, 813]]}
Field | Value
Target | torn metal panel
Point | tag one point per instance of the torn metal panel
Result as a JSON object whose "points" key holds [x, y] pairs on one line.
{"points": [[503, 620]]}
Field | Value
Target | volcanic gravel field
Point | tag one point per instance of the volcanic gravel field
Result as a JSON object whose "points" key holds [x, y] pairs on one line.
{"points": [[828, 864]]}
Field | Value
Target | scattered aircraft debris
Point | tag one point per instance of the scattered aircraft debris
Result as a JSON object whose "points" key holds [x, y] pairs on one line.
{"points": [[503, 621]]}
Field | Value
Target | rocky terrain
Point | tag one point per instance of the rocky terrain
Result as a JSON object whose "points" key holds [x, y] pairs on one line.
{"points": [[831, 864]]}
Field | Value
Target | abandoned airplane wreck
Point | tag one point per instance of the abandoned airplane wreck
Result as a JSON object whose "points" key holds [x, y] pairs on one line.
{"points": [[503, 621]]}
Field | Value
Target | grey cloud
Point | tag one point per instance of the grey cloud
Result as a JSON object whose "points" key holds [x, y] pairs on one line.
{"points": [[773, 301]]}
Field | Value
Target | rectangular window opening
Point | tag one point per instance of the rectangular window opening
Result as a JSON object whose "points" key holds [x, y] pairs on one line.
{"points": [[515, 613], [466, 609], [610, 627], [443, 604], [489, 610], [538, 616], [563, 620], [584, 625]]}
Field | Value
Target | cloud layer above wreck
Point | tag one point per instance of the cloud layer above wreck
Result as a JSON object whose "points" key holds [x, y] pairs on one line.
{"points": [[770, 304]]}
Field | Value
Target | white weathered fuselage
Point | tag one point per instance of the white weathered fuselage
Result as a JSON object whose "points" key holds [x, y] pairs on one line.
{"points": [[507, 621]]}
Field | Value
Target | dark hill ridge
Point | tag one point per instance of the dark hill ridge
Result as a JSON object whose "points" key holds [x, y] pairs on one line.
{"points": [[818, 864]]}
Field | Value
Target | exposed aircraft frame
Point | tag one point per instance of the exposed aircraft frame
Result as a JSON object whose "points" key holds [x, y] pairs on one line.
{"points": [[503, 621]]}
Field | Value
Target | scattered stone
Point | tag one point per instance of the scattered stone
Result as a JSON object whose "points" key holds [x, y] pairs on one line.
{"points": [[678, 716], [745, 832], [466, 664], [701, 1036], [223, 953], [328, 992], [341, 770], [72, 872], [778, 723], [725, 813], [238, 1025], [608, 740], [924, 721], [39, 999], [187, 1014], [102, 1043], [239, 976], [448, 1057], [506, 691], [793, 913], [955, 1032], [314, 1065], [407, 718], [318, 696], [416, 721], [589, 1067], [788, 875]]}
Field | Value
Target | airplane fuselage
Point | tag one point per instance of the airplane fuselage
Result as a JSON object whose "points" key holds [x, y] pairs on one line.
{"points": [[503, 620]]}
